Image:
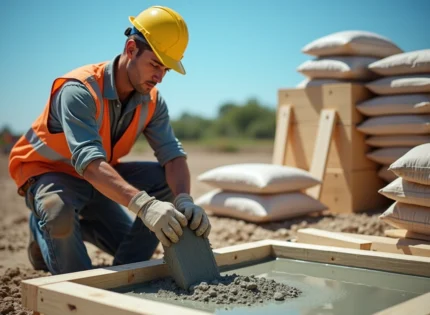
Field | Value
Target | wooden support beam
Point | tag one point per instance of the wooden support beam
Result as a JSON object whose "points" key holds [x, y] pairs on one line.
{"points": [[321, 151], [321, 237], [281, 134], [391, 262], [399, 246], [73, 298], [365, 242]]}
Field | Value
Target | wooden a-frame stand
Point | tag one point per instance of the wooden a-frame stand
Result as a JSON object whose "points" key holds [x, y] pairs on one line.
{"points": [[323, 141], [350, 179]]}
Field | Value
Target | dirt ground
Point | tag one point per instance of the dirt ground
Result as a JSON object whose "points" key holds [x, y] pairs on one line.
{"points": [[14, 264]]}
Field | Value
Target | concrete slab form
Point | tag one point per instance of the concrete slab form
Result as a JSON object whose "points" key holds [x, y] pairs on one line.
{"points": [[88, 292]]}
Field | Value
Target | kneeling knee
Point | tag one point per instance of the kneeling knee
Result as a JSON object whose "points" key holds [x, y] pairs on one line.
{"points": [[58, 217]]}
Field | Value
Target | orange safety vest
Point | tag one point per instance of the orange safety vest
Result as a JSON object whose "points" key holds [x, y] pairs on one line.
{"points": [[39, 151]]}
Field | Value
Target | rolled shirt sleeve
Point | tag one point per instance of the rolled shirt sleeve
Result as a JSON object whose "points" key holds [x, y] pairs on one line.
{"points": [[160, 134], [73, 111]]}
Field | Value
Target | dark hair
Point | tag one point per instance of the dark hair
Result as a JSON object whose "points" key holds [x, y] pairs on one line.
{"points": [[140, 41]]}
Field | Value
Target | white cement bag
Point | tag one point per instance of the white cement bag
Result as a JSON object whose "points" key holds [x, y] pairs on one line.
{"points": [[414, 166], [338, 67], [353, 42], [407, 192], [257, 207], [409, 217], [395, 105], [407, 84], [395, 125], [397, 140], [386, 156], [412, 62], [258, 178]]}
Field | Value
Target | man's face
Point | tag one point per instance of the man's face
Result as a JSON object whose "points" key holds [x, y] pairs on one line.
{"points": [[145, 71]]}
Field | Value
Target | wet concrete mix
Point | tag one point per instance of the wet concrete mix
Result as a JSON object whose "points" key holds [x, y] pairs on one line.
{"points": [[230, 289]]}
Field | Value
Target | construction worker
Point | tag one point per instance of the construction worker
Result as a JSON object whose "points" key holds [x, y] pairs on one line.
{"points": [[67, 165]]}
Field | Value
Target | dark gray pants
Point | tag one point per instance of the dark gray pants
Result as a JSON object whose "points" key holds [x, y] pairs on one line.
{"points": [[66, 211]]}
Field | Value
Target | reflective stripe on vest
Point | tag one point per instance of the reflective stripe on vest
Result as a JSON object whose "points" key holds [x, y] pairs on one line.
{"points": [[92, 81], [142, 119], [42, 149]]}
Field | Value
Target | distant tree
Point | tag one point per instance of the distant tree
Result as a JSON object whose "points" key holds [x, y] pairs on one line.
{"points": [[225, 108], [251, 120], [190, 127]]}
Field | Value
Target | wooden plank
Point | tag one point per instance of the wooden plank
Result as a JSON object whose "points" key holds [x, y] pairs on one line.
{"points": [[393, 245], [103, 278], [308, 102], [356, 191], [321, 237], [405, 264], [402, 233], [243, 253], [73, 298], [322, 149], [112, 277], [347, 151], [281, 134], [419, 305]]}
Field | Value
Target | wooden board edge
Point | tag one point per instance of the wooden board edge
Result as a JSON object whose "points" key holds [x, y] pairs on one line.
{"points": [[283, 122], [321, 150], [419, 305], [322, 237], [116, 276], [125, 273], [73, 298], [241, 253], [406, 246], [382, 261]]}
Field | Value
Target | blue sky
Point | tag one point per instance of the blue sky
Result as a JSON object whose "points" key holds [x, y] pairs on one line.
{"points": [[238, 49]]}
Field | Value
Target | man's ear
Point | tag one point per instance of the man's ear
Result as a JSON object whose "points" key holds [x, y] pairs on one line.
{"points": [[131, 48]]}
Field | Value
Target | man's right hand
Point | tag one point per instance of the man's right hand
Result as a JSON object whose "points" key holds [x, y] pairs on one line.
{"points": [[160, 217]]}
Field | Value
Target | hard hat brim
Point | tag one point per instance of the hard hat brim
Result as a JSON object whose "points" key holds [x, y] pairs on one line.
{"points": [[167, 61]]}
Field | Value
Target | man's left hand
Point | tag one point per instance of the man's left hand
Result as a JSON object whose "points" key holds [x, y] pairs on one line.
{"points": [[199, 219]]}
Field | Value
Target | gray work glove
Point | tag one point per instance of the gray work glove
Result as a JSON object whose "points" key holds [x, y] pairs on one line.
{"points": [[160, 217], [199, 219]]}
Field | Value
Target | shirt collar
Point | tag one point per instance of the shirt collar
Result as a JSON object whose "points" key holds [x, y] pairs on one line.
{"points": [[109, 88]]}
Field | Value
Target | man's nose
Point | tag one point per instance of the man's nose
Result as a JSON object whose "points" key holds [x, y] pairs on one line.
{"points": [[158, 76]]}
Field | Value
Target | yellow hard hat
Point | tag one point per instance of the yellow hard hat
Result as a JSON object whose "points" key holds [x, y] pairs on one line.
{"points": [[166, 32]]}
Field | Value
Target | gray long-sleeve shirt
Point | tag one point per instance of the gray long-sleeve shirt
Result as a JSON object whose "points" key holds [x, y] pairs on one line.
{"points": [[73, 111]]}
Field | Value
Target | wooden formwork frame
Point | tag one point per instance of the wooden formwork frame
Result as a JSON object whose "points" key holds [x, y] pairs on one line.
{"points": [[86, 292]]}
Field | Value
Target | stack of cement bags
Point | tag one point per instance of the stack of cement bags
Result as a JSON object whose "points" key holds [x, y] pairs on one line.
{"points": [[410, 191], [258, 192], [344, 57], [398, 116]]}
